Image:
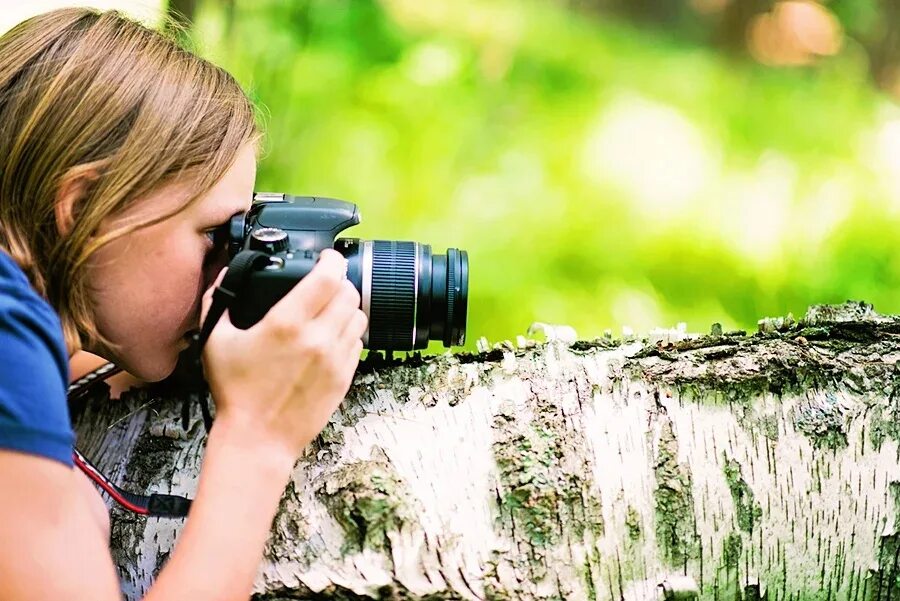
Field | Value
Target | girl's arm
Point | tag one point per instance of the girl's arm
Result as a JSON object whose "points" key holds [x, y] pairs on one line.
{"points": [[54, 550], [217, 555], [50, 545]]}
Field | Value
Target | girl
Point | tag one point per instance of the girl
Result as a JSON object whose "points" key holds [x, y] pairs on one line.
{"points": [[119, 153]]}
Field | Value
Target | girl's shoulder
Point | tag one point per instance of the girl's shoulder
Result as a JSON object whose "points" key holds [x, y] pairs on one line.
{"points": [[11, 272], [34, 370], [16, 293], [15, 287]]}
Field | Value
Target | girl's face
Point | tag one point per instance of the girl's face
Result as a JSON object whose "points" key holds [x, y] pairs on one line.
{"points": [[146, 286]]}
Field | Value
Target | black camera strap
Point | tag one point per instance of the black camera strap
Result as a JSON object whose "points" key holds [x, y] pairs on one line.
{"points": [[223, 296], [160, 505], [235, 278]]}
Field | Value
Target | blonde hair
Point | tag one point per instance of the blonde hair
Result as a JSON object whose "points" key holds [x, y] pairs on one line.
{"points": [[84, 91]]}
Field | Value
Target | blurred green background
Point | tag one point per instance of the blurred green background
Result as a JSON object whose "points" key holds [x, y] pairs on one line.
{"points": [[605, 163]]}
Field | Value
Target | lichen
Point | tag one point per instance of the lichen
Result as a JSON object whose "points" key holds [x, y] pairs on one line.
{"points": [[675, 527], [368, 499], [633, 523], [753, 592], [532, 490], [589, 586], [814, 333], [768, 425], [591, 515], [394, 592], [848, 311], [885, 422], [787, 357], [758, 421], [732, 547], [768, 375], [768, 325], [546, 482], [494, 593], [581, 347], [747, 510], [289, 526], [821, 419], [886, 579]]}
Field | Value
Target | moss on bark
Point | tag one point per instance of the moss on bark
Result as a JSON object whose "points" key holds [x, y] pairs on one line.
{"points": [[368, 500], [674, 502], [747, 510]]}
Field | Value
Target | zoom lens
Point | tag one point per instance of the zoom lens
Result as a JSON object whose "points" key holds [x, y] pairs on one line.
{"points": [[410, 295]]}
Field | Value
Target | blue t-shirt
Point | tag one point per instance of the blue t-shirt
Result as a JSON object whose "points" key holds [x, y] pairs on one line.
{"points": [[34, 371]]}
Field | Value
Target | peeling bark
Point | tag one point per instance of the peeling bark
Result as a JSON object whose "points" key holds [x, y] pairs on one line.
{"points": [[676, 466]]}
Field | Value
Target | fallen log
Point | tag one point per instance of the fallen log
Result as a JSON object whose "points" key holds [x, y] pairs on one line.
{"points": [[668, 466]]}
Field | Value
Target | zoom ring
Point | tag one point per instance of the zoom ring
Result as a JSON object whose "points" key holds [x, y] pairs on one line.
{"points": [[393, 295]]}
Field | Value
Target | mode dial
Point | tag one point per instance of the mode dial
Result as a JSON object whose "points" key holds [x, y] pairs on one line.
{"points": [[269, 239]]}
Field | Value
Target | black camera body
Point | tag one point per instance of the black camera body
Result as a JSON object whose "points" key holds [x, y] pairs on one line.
{"points": [[409, 294]]}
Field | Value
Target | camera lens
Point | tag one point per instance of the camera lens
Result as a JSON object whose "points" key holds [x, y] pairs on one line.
{"points": [[410, 295]]}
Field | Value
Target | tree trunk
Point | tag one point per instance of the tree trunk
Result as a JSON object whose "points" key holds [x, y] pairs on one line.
{"points": [[678, 466]]}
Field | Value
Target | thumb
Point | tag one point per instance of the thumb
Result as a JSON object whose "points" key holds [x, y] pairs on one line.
{"points": [[206, 301]]}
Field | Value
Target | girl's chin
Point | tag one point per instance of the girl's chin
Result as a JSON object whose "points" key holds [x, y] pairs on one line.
{"points": [[157, 367], [147, 366]]}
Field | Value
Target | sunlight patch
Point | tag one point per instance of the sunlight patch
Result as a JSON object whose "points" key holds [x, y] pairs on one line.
{"points": [[756, 208], [635, 308], [431, 63], [651, 151], [147, 11], [880, 149]]}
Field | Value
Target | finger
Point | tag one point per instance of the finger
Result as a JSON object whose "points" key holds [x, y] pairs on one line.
{"points": [[206, 300], [352, 334], [339, 309], [355, 327], [221, 333], [312, 293], [351, 357]]}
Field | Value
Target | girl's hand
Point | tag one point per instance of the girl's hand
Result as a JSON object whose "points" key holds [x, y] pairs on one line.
{"points": [[283, 377]]}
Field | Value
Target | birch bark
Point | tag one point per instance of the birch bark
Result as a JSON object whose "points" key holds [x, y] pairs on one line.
{"points": [[671, 466]]}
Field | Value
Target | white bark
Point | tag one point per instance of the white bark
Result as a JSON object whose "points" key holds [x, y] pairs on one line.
{"points": [[718, 467]]}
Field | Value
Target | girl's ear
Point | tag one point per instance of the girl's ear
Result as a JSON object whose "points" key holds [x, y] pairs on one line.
{"points": [[71, 191]]}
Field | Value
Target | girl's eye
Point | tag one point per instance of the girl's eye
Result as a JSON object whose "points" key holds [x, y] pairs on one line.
{"points": [[217, 237], [212, 241], [212, 251]]}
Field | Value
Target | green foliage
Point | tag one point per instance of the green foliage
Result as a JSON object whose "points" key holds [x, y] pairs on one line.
{"points": [[599, 175]]}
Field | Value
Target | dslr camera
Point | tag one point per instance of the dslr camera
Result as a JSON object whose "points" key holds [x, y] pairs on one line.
{"points": [[410, 294]]}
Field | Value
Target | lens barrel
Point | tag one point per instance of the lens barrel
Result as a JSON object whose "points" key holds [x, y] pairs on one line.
{"points": [[410, 295]]}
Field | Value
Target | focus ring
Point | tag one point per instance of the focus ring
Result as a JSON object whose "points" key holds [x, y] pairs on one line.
{"points": [[393, 294], [451, 296]]}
